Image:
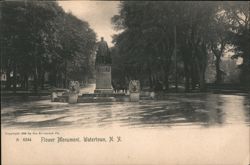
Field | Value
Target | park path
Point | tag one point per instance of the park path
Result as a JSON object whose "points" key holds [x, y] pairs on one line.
{"points": [[209, 129]]}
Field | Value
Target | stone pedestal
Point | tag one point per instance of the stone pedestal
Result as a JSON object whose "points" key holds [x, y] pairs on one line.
{"points": [[74, 89], [134, 90], [104, 91], [134, 97], [53, 96], [103, 79], [152, 95], [73, 98]]}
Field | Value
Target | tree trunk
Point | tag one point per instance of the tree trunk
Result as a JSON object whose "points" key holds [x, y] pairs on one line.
{"points": [[202, 68], [42, 79], [202, 83], [187, 83], [165, 75], [26, 80], [150, 82], [8, 79], [150, 78], [187, 79], [14, 78], [22, 82], [202, 79], [166, 82], [36, 80], [194, 78], [36, 71], [218, 72], [218, 54], [65, 75]]}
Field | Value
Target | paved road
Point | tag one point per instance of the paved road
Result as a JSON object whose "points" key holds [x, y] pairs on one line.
{"points": [[190, 129], [202, 110]]}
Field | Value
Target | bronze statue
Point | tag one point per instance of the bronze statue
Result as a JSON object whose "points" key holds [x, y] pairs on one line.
{"points": [[103, 53]]}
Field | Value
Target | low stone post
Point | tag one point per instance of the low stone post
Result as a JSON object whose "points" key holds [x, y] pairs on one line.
{"points": [[152, 95], [134, 90], [74, 90], [53, 96]]}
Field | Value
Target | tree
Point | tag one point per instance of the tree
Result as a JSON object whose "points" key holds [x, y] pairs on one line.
{"points": [[24, 29], [147, 40], [219, 39], [77, 43], [239, 15], [145, 43], [40, 37]]}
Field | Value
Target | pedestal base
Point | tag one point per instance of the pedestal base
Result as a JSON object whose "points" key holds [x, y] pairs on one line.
{"points": [[53, 96], [103, 91], [72, 98], [103, 77], [134, 97]]}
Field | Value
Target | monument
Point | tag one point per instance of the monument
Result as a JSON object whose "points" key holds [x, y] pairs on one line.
{"points": [[103, 91], [103, 69]]}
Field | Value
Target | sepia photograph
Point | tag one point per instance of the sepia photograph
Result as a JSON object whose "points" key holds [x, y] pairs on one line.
{"points": [[125, 82]]}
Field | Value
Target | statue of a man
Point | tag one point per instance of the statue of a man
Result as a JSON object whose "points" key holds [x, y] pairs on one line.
{"points": [[103, 54]]}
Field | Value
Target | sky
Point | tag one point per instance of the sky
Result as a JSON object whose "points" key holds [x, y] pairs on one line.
{"points": [[97, 13]]}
